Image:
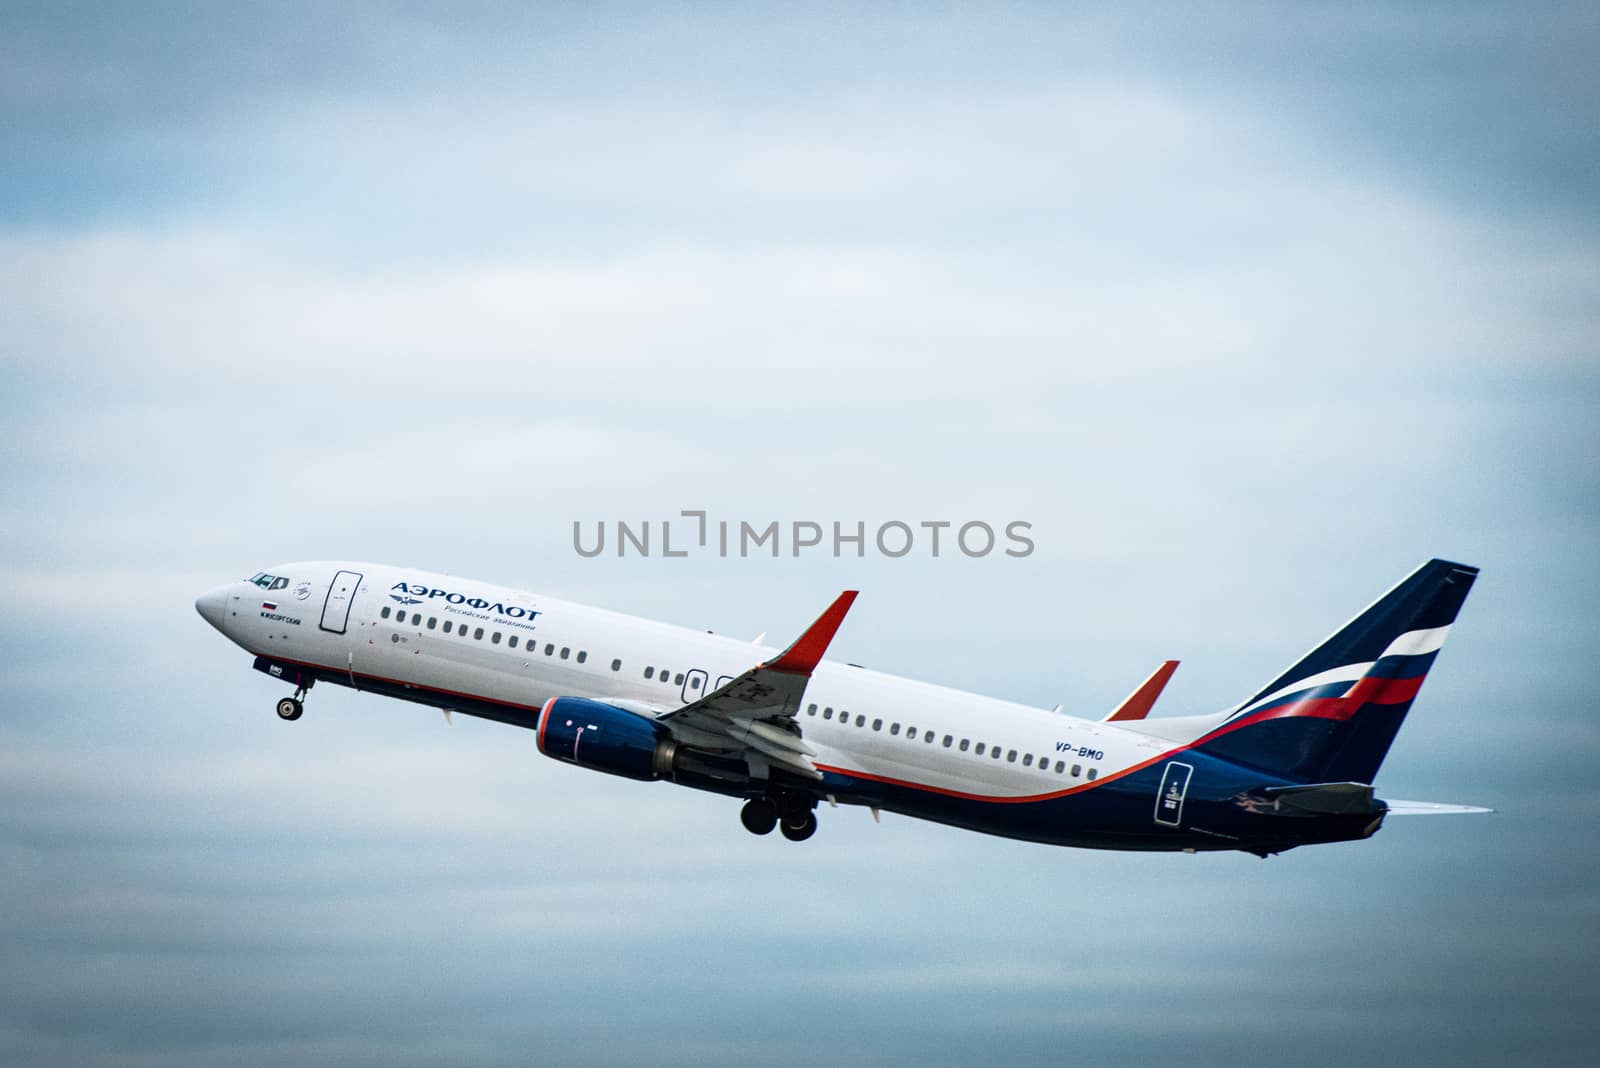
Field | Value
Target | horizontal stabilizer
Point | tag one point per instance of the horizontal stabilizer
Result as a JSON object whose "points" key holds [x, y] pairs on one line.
{"points": [[1322, 798], [1430, 808]]}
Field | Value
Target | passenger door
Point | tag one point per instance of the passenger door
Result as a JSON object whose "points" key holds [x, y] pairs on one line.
{"points": [[336, 607]]}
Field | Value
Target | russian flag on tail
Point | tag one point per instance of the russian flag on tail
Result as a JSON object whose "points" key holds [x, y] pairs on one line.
{"points": [[1332, 716]]}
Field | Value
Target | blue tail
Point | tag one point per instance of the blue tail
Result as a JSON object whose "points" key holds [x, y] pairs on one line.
{"points": [[1332, 716]]}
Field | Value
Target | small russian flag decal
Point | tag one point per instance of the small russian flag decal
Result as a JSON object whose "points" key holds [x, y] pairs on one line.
{"points": [[270, 606]]}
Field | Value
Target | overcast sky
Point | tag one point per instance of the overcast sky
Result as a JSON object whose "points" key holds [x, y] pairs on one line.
{"points": [[1247, 313]]}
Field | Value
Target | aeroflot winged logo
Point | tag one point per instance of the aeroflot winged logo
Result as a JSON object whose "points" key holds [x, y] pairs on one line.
{"points": [[417, 592]]}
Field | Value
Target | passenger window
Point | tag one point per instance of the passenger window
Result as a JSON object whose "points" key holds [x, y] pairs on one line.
{"points": [[1027, 760], [494, 639], [894, 728], [964, 743], [827, 713], [549, 649], [477, 635], [861, 721], [877, 724], [811, 710], [995, 752], [979, 749], [677, 680], [583, 654], [1059, 767], [928, 737], [1077, 769], [911, 734], [512, 641], [565, 649], [948, 741], [447, 626], [385, 612], [433, 621], [1093, 774], [1011, 757], [649, 672], [616, 665]]}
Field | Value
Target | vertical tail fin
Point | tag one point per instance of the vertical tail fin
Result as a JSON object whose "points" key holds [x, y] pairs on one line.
{"points": [[1333, 715]]}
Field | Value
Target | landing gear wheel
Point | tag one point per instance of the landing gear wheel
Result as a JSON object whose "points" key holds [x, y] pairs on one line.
{"points": [[289, 708], [794, 807], [802, 830], [759, 816]]}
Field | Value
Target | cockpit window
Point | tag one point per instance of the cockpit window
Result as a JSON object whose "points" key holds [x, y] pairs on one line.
{"points": [[279, 583], [269, 582]]}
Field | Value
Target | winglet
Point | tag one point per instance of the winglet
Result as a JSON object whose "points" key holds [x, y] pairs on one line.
{"points": [[1139, 702], [802, 657]]}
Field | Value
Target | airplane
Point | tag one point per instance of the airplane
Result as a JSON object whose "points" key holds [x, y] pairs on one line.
{"points": [[785, 730]]}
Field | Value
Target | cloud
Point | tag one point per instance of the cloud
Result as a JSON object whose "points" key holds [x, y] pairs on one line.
{"points": [[1247, 318]]}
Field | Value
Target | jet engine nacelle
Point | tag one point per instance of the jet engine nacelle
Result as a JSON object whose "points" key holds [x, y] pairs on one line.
{"points": [[592, 734]]}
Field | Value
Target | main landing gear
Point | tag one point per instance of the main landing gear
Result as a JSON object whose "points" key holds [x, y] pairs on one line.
{"points": [[791, 813], [292, 708]]}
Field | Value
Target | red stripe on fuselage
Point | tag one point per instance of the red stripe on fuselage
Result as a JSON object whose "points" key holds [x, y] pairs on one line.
{"points": [[350, 673], [976, 797]]}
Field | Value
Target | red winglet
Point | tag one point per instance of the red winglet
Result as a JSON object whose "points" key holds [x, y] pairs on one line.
{"points": [[1142, 700], [804, 655]]}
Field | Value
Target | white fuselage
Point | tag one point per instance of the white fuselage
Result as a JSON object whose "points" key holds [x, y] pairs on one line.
{"points": [[786, 729], [861, 722]]}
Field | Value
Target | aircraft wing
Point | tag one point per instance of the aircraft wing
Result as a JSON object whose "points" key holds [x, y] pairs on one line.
{"points": [[755, 713], [1138, 704]]}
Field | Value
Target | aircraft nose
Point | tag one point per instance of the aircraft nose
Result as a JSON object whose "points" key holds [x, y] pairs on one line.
{"points": [[212, 605]]}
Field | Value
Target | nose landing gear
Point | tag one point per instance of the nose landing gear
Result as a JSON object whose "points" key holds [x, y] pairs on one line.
{"points": [[292, 708]]}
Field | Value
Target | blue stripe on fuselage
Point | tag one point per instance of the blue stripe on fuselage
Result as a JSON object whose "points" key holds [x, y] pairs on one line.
{"points": [[1119, 811]]}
